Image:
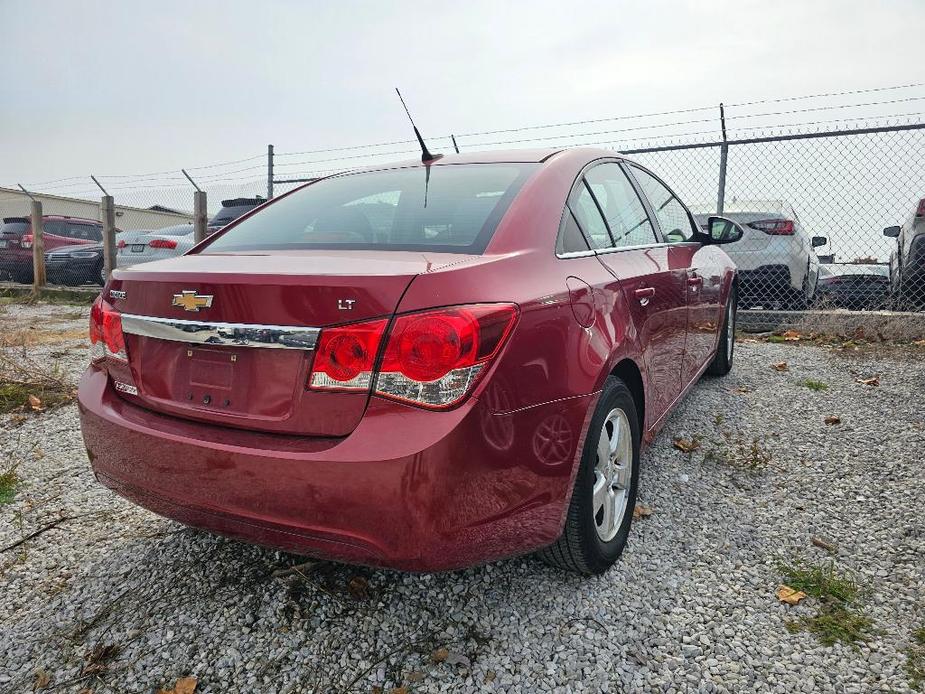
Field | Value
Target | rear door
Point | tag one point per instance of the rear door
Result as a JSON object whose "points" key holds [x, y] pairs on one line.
{"points": [[699, 267], [654, 290]]}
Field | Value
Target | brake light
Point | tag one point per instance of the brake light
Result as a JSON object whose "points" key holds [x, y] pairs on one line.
{"points": [[432, 359], [345, 356], [25, 241], [162, 243], [121, 243], [774, 227], [106, 338], [920, 210]]}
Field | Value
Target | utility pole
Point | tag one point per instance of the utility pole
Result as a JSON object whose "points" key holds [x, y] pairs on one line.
{"points": [[269, 172]]}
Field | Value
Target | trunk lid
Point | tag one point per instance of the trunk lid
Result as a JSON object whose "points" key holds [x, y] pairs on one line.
{"points": [[236, 384]]}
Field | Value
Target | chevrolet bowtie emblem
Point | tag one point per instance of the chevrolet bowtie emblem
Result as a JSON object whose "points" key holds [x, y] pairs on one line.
{"points": [[189, 300]]}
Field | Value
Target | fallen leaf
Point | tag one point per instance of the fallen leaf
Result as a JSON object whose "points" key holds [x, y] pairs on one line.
{"points": [[833, 419], [791, 336], [453, 658], [358, 587], [741, 390], [35, 403], [824, 544], [872, 381], [85, 691], [376, 689], [415, 676], [780, 366], [489, 676], [687, 445], [439, 655], [641, 511], [42, 680], [399, 690], [184, 685], [788, 595], [919, 343]]}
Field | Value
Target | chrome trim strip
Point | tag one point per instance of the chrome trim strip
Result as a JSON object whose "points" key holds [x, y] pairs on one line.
{"points": [[233, 334]]}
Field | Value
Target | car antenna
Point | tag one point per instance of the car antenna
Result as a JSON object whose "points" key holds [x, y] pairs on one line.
{"points": [[426, 156]]}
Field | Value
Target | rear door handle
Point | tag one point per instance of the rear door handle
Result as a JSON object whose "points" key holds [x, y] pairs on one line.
{"points": [[644, 294], [695, 281]]}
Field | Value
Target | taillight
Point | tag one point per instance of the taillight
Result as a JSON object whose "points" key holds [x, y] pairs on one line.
{"points": [[345, 356], [162, 243], [25, 241], [121, 243], [774, 227], [106, 338], [920, 210], [432, 358]]}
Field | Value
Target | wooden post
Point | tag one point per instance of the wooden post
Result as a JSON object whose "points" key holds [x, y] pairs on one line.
{"points": [[38, 247], [200, 215], [108, 214]]}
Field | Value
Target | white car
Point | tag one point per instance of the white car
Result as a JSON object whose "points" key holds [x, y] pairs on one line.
{"points": [[776, 257], [155, 244]]}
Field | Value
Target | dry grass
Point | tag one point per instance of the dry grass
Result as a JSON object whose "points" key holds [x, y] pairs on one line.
{"points": [[30, 384]]}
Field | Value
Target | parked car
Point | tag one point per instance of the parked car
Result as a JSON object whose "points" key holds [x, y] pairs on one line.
{"points": [[231, 210], [776, 257], [469, 381], [907, 261], [155, 244], [75, 265], [58, 231], [854, 286]]}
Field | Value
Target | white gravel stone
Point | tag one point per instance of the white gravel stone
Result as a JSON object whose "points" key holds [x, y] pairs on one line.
{"points": [[689, 607]]}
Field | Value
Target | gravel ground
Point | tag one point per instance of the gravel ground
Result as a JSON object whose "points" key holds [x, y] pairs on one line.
{"points": [[137, 601]]}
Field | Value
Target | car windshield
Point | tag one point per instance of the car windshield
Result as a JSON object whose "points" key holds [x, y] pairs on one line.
{"points": [[854, 269], [453, 208], [226, 215]]}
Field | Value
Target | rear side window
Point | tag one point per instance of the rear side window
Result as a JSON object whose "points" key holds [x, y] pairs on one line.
{"points": [[55, 228], [570, 240], [589, 218], [452, 208], [672, 215], [85, 232], [623, 210]]}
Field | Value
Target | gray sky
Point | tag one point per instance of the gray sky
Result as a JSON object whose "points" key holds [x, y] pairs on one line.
{"points": [[122, 88]]}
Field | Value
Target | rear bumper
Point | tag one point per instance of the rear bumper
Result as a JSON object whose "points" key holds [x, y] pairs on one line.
{"points": [[766, 282], [408, 489]]}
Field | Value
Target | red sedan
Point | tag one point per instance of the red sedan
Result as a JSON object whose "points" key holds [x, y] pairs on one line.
{"points": [[423, 366]]}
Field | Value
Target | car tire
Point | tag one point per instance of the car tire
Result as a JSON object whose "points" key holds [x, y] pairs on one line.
{"points": [[22, 277], [722, 361], [101, 275], [595, 534]]}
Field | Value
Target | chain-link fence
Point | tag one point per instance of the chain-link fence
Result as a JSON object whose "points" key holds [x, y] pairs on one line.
{"points": [[831, 219], [147, 224], [833, 210]]}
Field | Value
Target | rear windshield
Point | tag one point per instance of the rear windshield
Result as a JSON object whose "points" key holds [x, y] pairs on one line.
{"points": [[17, 228], [453, 208], [180, 230]]}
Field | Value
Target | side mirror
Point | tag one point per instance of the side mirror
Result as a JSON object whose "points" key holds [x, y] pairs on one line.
{"points": [[819, 241], [722, 230], [892, 232]]}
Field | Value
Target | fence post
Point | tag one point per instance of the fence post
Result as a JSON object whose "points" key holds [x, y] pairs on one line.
{"points": [[108, 214], [723, 156], [200, 215], [269, 172], [38, 247]]}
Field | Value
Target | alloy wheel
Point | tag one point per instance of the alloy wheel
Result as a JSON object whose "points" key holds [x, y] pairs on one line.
{"points": [[613, 474]]}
